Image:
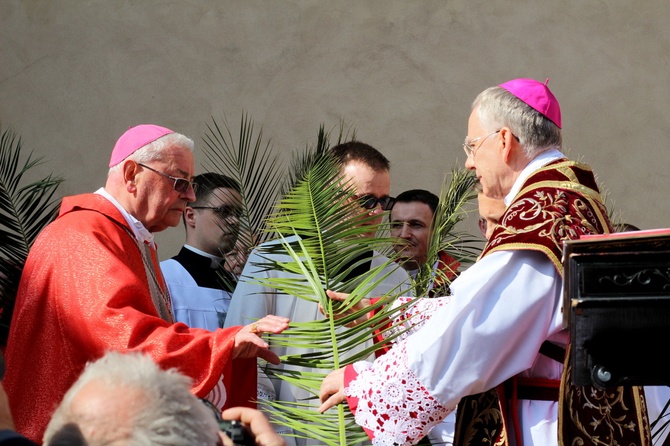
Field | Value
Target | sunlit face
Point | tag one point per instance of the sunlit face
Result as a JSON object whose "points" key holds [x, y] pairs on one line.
{"points": [[487, 161], [411, 222], [490, 212], [367, 181], [158, 205], [215, 231]]}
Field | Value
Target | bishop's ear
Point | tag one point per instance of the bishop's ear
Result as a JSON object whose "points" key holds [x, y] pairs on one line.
{"points": [[130, 171], [510, 143]]}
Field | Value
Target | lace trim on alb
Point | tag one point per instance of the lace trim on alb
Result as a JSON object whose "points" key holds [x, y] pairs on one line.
{"points": [[393, 404], [414, 317]]}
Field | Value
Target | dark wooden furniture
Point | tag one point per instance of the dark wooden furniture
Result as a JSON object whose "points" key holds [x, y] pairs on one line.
{"points": [[617, 308]]}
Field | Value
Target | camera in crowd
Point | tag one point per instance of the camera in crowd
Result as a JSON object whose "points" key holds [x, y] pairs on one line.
{"points": [[237, 432]]}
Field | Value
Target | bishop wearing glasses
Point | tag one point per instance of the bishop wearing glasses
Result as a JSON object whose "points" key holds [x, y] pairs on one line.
{"points": [[91, 284]]}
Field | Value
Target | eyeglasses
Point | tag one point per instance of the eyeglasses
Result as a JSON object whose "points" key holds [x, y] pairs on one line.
{"points": [[469, 146], [369, 201], [224, 211], [181, 185]]}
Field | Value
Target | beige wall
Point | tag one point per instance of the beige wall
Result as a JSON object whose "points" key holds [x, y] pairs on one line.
{"points": [[75, 74]]}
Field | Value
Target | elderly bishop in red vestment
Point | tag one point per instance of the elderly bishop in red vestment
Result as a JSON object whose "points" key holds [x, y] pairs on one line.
{"points": [[91, 284]]}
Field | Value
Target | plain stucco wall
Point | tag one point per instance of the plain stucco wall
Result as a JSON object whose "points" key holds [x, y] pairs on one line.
{"points": [[75, 74]]}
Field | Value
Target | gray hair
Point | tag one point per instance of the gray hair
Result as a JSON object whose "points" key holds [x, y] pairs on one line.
{"points": [[498, 108], [154, 150], [169, 414]]}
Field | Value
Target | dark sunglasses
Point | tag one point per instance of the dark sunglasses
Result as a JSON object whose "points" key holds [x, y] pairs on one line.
{"points": [[181, 185], [224, 211], [370, 202]]}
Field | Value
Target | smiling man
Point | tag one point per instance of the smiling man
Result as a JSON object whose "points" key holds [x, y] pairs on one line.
{"points": [[91, 284], [411, 222]]}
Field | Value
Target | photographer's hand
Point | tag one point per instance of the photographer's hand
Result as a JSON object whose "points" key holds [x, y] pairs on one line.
{"points": [[257, 424]]}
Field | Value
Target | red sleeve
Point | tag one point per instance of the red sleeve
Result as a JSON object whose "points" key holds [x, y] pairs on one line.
{"points": [[349, 375], [84, 291], [377, 334]]}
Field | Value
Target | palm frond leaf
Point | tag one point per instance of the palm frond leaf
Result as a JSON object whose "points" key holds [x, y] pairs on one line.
{"points": [[322, 236], [304, 160], [252, 163], [25, 209], [457, 191]]}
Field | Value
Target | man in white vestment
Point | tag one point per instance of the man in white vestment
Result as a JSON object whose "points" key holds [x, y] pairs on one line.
{"points": [[503, 322]]}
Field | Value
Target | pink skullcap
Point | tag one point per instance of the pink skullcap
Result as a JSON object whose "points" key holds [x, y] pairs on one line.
{"points": [[537, 95], [135, 138]]}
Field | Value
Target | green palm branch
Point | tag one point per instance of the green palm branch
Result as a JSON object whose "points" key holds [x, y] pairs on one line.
{"points": [[252, 163], [324, 242], [306, 159], [457, 191], [320, 245], [26, 208]]}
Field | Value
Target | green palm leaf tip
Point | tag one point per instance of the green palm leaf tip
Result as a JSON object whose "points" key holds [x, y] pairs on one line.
{"points": [[457, 191], [315, 228], [25, 210], [304, 160], [253, 164]]}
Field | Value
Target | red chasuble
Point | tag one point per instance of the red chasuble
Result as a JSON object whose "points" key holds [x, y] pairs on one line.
{"points": [[87, 289]]}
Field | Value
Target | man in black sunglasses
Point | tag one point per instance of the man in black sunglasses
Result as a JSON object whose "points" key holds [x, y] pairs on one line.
{"points": [[200, 287], [367, 171]]}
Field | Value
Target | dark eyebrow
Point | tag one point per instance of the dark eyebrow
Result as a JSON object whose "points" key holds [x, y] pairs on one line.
{"points": [[410, 221]]}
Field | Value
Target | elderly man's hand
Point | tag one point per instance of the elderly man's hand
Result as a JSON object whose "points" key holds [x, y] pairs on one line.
{"points": [[257, 424], [360, 305], [332, 390], [249, 344]]}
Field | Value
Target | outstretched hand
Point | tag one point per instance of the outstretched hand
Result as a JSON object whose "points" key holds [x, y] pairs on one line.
{"points": [[249, 344], [332, 390], [342, 297]]}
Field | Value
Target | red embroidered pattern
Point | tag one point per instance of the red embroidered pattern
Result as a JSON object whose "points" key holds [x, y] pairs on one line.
{"points": [[393, 405]]}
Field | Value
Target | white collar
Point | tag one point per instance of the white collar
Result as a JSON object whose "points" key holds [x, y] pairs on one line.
{"points": [[536, 163], [141, 233], [216, 260]]}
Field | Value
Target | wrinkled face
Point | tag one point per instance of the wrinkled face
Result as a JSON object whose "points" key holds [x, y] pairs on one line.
{"points": [[486, 159], [411, 222], [490, 212], [215, 231], [157, 205], [367, 181]]}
